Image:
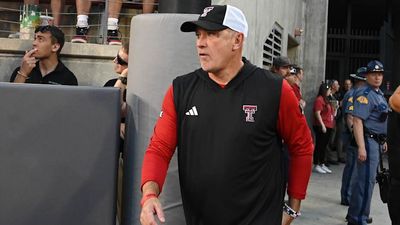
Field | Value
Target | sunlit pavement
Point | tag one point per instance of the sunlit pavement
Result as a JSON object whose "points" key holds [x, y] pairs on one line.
{"points": [[322, 204]]}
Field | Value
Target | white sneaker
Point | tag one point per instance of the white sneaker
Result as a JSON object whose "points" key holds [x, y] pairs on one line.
{"points": [[326, 168], [319, 169]]}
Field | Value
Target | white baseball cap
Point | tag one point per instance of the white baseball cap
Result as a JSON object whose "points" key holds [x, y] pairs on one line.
{"points": [[218, 17]]}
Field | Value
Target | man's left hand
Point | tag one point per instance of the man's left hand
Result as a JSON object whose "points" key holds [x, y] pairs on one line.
{"points": [[286, 219]]}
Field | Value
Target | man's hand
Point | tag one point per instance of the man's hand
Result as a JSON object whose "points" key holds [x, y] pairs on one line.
{"points": [[286, 219], [125, 72], [28, 62], [385, 147], [151, 207], [122, 130], [295, 205], [362, 154], [323, 129], [302, 103]]}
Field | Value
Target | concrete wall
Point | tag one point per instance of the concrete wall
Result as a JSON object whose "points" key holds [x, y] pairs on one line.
{"points": [[309, 15], [314, 49], [91, 63]]}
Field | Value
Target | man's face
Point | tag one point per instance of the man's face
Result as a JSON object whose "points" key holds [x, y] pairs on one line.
{"points": [[43, 45], [121, 63], [215, 49], [375, 79], [335, 87], [291, 78], [347, 85], [284, 71]]}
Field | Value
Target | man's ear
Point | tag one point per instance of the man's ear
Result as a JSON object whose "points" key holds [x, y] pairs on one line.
{"points": [[55, 47], [238, 41]]}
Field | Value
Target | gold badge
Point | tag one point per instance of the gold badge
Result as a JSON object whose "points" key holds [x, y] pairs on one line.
{"points": [[350, 99], [362, 100], [351, 108]]}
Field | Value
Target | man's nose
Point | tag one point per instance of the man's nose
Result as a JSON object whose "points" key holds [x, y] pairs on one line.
{"points": [[200, 41]]}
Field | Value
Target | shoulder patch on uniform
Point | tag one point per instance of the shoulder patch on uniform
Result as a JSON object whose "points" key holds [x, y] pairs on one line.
{"points": [[362, 100], [350, 99]]}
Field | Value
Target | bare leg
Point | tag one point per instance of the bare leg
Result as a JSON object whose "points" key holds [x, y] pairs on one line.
{"points": [[148, 6], [56, 10], [82, 24], [83, 7], [31, 2], [114, 8]]}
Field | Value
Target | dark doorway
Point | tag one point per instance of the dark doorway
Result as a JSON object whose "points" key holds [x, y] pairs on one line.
{"points": [[359, 31]]}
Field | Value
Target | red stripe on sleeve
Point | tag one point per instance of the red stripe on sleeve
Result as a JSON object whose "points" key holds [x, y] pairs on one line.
{"points": [[162, 143], [293, 128]]}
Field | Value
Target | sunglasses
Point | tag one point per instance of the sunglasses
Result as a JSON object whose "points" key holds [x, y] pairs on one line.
{"points": [[120, 61]]}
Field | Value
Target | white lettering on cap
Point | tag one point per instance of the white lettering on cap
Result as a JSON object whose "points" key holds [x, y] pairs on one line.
{"points": [[206, 11]]}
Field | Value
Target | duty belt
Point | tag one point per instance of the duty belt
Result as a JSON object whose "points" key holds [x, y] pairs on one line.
{"points": [[380, 138]]}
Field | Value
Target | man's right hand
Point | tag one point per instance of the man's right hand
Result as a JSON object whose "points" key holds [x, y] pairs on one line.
{"points": [[362, 154], [28, 62], [151, 207]]}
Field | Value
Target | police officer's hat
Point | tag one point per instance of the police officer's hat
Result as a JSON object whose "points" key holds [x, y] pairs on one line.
{"points": [[360, 75], [374, 66]]}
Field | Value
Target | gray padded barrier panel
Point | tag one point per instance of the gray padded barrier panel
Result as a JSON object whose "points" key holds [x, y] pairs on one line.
{"points": [[159, 52], [58, 154]]}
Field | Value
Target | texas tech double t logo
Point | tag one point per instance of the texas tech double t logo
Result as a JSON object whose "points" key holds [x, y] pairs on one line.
{"points": [[250, 110]]}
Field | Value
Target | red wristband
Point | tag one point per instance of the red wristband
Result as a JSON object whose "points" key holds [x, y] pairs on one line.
{"points": [[147, 197]]}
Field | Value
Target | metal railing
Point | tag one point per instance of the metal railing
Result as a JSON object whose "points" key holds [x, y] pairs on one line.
{"points": [[11, 19]]}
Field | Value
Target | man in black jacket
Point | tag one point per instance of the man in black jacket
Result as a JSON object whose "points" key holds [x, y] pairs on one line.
{"points": [[228, 119]]}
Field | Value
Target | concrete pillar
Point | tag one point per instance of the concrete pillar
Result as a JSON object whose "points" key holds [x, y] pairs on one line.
{"points": [[315, 34], [183, 6]]}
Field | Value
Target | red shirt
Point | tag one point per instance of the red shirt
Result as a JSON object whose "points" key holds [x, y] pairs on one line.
{"points": [[291, 125], [296, 90], [326, 110]]}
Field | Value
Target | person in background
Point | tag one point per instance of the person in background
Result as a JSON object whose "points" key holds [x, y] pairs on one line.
{"points": [[121, 68], [228, 119], [335, 150], [82, 25], [281, 66], [41, 64], [347, 84], [324, 114], [394, 157], [148, 6], [370, 129], [294, 79], [351, 150]]}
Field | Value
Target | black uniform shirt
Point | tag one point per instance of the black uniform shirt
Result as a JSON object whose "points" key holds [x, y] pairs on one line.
{"points": [[394, 145], [61, 75]]}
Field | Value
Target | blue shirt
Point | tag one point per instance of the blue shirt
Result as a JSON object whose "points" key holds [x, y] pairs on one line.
{"points": [[347, 103], [370, 105]]}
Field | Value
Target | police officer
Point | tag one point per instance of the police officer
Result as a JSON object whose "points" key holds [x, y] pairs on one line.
{"points": [[358, 80], [369, 127]]}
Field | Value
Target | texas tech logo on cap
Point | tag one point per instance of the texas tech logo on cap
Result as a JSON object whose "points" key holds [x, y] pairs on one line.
{"points": [[206, 11], [250, 110]]}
